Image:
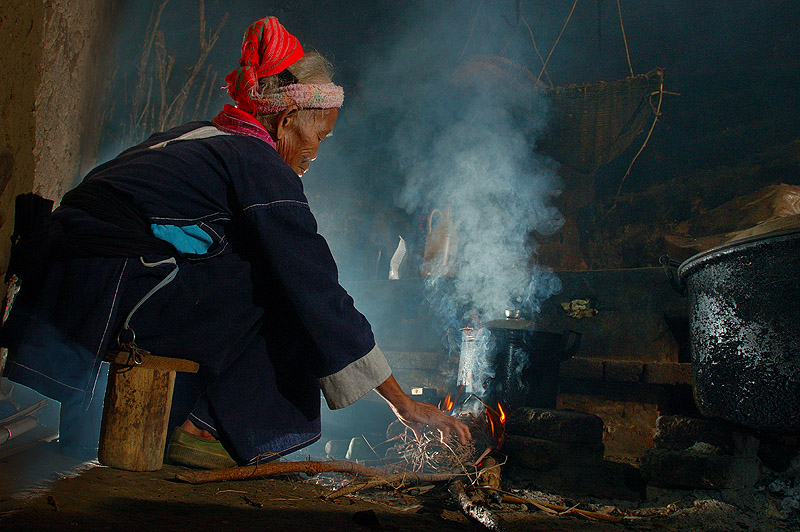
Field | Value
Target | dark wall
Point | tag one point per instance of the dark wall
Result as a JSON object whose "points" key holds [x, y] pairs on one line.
{"points": [[734, 64]]}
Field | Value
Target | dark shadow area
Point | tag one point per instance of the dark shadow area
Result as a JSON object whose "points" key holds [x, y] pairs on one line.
{"points": [[243, 513]]}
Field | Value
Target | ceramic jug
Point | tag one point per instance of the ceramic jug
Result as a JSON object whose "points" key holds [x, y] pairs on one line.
{"points": [[441, 244]]}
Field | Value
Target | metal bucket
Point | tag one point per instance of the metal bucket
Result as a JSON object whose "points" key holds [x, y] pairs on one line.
{"points": [[744, 309]]}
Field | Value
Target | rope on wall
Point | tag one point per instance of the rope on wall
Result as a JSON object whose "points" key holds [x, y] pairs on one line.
{"points": [[657, 113]]}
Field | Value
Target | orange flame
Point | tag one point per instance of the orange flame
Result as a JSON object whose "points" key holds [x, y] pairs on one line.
{"points": [[447, 404], [497, 423]]}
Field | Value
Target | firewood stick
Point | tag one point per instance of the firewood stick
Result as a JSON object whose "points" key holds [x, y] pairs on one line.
{"points": [[309, 467], [476, 509], [409, 478], [489, 474], [555, 509]]}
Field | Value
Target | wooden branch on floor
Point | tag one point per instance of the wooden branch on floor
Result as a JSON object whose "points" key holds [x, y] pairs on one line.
{"points": [[408, 478], [309, 467], [474, 506], [554, 509], [489, 474]]}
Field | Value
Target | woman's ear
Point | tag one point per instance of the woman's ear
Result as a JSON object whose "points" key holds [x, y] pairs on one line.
{"points": [[286, 120]]}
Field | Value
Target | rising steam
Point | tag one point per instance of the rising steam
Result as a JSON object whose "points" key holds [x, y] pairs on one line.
{"points": [[465, 138]]}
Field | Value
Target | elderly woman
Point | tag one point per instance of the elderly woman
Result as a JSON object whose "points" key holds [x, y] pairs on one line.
{"points": [[199, 243]]}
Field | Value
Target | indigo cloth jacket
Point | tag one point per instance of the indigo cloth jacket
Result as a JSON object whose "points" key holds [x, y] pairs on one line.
{"points": [[256, 300]]}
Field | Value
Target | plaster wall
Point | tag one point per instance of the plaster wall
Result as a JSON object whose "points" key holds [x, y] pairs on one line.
{"points": [[51, 82]]}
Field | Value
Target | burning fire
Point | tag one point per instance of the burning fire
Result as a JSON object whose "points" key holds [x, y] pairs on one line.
{"points": [[495, 418], [497, 423], [447, 405]]}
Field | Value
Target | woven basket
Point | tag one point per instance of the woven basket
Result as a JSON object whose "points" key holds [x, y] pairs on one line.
{"points": [[593, 124], [590, 124]]}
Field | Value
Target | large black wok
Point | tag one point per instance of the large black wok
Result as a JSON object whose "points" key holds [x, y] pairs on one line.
{"points": [[744, 309]]}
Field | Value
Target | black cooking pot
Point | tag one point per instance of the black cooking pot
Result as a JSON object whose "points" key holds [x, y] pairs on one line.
{"points": [[744, 312], [526, 361]]}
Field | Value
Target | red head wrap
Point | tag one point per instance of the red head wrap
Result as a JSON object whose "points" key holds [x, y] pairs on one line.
{"points": [[267, 50]]}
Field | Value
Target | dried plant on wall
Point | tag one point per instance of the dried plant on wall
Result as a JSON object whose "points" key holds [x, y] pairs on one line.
{"points": [[159, 100]]}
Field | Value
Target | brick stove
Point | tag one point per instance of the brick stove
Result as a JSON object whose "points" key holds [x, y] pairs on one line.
{"points": [[632, 364]]}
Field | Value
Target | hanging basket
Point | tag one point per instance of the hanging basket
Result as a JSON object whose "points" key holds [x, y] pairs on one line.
{"points": [[593, 124]]}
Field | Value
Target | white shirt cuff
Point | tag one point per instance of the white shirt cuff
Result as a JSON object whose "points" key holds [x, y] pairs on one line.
{"points": [[349, 384]]}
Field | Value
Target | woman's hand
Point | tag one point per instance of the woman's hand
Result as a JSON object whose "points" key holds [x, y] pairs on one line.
{"points": [[414, 414]]}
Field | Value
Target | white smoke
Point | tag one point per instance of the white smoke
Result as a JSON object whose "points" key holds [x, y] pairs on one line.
{"points": [[465, 138], [499, 192]]}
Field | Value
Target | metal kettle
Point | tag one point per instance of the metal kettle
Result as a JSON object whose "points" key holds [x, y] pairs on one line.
{"points": [[524, 361]]}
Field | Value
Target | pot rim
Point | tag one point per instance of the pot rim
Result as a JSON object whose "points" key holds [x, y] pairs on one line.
{"points": [[695, 261], [530, 329], [511, 324]]}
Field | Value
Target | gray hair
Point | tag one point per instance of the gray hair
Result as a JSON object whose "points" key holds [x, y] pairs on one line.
{"points": [[311, 68]]}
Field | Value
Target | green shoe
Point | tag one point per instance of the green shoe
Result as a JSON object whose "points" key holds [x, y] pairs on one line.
{"points": [[187, 449]]}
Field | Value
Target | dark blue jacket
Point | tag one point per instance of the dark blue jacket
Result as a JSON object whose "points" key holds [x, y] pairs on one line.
{"points": [[256, 300]]}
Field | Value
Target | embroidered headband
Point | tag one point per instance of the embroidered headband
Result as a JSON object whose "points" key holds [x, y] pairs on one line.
{"points": [[268, 49], [304, 95]]}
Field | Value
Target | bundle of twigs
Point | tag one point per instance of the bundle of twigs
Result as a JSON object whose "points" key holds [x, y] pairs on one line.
{"points": [[432, 455]]}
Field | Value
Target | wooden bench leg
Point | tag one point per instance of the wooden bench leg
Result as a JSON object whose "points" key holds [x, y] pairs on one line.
{"points": [[136, 410], [136, 417]]}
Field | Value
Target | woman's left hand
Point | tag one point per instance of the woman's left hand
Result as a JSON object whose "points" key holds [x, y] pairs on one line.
{"points": [[414, 414]]}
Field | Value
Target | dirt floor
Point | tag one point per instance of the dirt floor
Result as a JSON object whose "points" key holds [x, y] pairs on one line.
{"points": [[43, 490]]}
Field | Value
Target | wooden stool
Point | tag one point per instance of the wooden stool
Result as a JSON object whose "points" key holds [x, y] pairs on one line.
{"points": [[136, 410]]}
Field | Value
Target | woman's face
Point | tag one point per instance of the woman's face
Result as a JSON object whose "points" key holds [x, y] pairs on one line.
{"points": [[300, 134]]}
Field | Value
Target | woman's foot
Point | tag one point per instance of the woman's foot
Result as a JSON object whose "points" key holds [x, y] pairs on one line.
{"points": [[191, 428], [194, 447]]}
